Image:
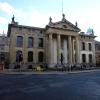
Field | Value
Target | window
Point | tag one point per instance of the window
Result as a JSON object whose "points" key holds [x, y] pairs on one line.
{"points": [[90, 58], [19, 41], [40, 42], [83, 58], [30, 56], [83, 46], [19, 56], [40, 57], [2, 46], [90, 46], [2, 57], [30, 42]]}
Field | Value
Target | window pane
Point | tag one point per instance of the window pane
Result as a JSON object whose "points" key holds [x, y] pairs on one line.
{"points": [[30, 56], [83, 46], [30, 42], [40, 42], [83, 58], [90, 58], [2, 57], [19, 41], [19, 56], [90, 47], [40, 56]]}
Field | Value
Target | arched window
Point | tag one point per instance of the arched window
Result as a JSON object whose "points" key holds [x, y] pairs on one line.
{"points": [[40, 42], [84, 58], [90, 58], [40, 57], [30, 56], [19, 56], [30, 42], [19, 41]]}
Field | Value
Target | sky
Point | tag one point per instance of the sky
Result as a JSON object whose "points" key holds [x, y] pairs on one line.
{"points": [[37, 12]]}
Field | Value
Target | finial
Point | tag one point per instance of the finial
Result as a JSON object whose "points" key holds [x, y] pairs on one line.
{"points": [[76, 24], [63, 17], [92, 32], [13, 19], [50, 19]]}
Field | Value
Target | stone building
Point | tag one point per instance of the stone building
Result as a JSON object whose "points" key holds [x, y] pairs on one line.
{"points": [[4, 48], [58, 43], [97, 50]]}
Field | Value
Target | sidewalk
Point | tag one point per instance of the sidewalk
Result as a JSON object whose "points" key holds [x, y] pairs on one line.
{"points": [[48, 72]]}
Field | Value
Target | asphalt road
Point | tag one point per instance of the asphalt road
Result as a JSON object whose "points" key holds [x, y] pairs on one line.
{"points": [[71, 86]]}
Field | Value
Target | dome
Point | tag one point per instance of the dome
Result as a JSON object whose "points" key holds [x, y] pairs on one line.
{"points": [[90, 31]]}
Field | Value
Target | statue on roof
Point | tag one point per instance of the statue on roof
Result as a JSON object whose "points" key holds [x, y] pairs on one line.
{"points": [[63, 17], [76, 24], [13, 19], [50, 21]]}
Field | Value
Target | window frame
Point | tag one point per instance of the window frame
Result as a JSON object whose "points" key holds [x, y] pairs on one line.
{"points": [[40, 43], [30, 42], [40, 57], [19, 41], [30, 57], [83, 58]]}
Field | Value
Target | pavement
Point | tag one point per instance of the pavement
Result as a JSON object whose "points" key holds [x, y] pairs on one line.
{"points": [[46, 72]]}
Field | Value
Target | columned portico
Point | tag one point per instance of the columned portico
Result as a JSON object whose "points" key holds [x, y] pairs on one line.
{"points": [[63, 45]]}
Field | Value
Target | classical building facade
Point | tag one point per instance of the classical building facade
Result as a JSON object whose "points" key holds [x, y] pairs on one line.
{"points": [[57, 44], [97, 50], [4, 48]]}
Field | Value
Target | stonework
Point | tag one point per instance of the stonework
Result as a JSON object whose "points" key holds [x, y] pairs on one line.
{"points": [[4, 48], [97, 50], [62, 44]]}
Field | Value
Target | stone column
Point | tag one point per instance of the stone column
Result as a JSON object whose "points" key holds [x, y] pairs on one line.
{"points": [[93, 50], [50, 49], [77, 50], [58, 49], [73, 50], [70, 49]]}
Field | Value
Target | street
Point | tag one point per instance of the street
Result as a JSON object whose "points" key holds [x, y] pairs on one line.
{"points": [[69, 86]]}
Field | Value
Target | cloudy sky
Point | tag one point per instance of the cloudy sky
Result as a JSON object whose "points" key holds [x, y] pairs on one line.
{"points": [[37, 12]]}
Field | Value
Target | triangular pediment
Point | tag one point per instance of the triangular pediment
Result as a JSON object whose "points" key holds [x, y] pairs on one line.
{"points": [[64, 24]]}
